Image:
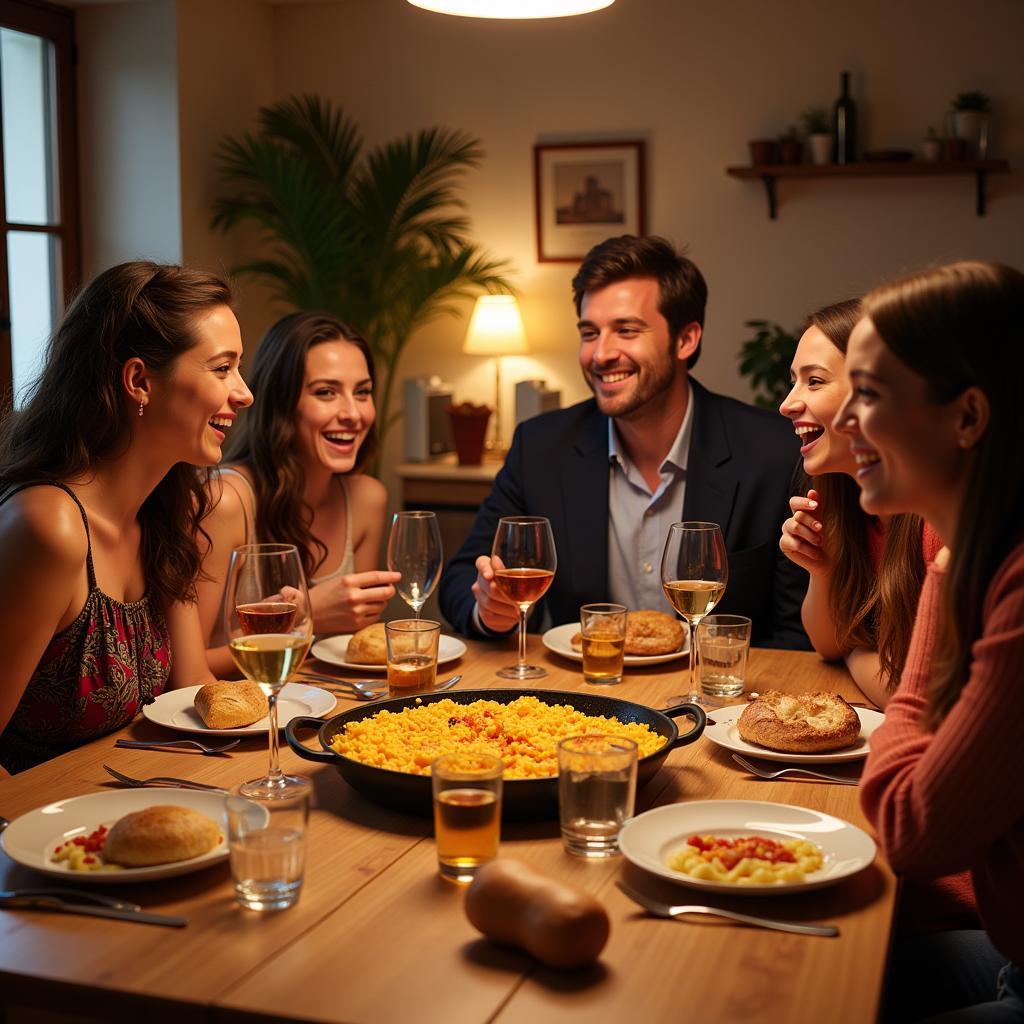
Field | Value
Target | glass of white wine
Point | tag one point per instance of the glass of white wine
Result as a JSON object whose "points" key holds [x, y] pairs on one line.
{"points": [[694, 575], [269, 626], [525, 561], [414, 550]]}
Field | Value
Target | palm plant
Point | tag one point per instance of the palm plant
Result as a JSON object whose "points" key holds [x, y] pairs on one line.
{"points": [[377, 240]]}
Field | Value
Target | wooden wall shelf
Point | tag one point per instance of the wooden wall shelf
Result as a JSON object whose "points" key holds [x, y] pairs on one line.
{"points": [[770, 173]]}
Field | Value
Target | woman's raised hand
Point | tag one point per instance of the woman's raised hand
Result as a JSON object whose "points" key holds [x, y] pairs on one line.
{"points": [[802, 541], [348, 603]]}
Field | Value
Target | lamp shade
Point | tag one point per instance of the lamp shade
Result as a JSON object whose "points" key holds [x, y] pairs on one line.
{"points": [[512, 8], [495, 328]]}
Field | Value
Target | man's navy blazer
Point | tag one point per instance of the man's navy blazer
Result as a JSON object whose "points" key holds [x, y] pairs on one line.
{"points": [[739, 475]]}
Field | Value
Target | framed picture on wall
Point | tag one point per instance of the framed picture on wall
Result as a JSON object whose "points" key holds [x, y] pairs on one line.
{"points": [[585, 192]]}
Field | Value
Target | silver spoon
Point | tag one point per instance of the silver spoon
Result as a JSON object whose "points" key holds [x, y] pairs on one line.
{"points": [[667, 910], [173, 744]]}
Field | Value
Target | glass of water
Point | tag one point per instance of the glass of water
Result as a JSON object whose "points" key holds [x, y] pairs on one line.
{"points": [[724, 642], [267, 844], [596, 792]]}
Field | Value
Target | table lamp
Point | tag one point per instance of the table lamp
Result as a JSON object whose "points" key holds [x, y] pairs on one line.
{"points": [[496, 329]]}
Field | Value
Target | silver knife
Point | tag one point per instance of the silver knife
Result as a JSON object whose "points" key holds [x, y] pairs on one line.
{"points": [[69, 896], [56, 904]]}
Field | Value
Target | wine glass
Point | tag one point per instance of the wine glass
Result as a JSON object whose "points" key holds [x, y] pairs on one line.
{"points": [[524, 550], [269, 626], [414, 550], [694, 573]]}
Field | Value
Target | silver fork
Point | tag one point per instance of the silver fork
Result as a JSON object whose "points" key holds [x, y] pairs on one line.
{"points": [[764, 773], [163, 780], [668, 910], [173, 744]]}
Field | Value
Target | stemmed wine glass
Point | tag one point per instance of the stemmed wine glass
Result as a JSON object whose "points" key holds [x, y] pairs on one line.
{"points": [[269, 626], [694, 574], [524, 551], [414, 550]]}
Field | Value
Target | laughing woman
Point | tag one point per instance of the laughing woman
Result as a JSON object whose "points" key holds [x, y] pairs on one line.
{"points": [[937, 421], [295, 477], [99, 506], [865, 572]]}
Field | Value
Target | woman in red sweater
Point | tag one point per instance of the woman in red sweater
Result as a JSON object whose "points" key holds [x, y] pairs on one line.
{"points": [[936, 421]]}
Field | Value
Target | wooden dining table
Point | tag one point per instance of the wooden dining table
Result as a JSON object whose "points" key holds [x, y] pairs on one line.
{"points": [[377, 937]]}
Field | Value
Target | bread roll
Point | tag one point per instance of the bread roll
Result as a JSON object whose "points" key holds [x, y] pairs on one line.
{"points": [[230, 705], [652, 632], [811, 723], [368, 646], [159, 835]]}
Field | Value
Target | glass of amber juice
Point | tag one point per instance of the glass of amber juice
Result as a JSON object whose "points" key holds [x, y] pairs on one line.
{"points": [[603, 632], [467, 812], [412, 656]]}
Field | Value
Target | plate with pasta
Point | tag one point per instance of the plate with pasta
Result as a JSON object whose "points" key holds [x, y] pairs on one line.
{"points": [[746, 847]]}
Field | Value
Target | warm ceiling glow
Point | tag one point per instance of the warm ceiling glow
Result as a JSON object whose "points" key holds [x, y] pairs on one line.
{"points": [[495, 328], [512, 8]]}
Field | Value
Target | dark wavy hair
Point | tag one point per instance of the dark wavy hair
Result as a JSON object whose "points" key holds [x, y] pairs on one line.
{"points": [[76, 413], [682, 290], [869, 608], [957, 327], [264, 442]]}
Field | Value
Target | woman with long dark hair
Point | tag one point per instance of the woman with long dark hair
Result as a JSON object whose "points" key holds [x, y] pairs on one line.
{"points": [[293, 475], [100, 505], [936, 422], [865, 572]]}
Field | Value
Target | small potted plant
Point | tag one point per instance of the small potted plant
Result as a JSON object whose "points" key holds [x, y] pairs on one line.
{"points": [[791, 149], [765, 359], [817, 128], [970, 119], [931, 146]]}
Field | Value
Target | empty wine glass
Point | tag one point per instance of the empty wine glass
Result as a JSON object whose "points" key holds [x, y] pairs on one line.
{"points": [[524, 553], [414, 550], [269, 626], [694, 574]]}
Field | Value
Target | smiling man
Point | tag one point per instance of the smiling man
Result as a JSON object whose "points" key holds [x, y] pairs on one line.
{"points": [[651, 448]]}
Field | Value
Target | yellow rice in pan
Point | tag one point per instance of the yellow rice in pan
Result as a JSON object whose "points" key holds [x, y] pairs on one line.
{"points": [[523, 733]]}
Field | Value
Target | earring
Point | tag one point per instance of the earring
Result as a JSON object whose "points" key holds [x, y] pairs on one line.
{"points": [[142, 406]]}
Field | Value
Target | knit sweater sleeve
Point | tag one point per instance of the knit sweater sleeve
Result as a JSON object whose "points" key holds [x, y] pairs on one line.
{"points": [[940, 800]]}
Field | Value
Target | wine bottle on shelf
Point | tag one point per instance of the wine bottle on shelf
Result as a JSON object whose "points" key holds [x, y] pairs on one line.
{"points": [[845, 125]]}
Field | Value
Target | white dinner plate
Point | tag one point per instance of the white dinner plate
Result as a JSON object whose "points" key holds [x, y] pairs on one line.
{"points": [[333, 649], [557, 640], [31, 838], [650, 838], [725, 734], [176, 709]]}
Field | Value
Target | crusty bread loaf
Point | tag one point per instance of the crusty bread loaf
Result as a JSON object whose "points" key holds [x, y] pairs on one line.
{"points": [[230, 705], [811, 723], [648, 632], [160, 835], [368, 646]]}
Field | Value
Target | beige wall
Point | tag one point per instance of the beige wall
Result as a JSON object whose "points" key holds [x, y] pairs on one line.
{"points": [[128, 133]]}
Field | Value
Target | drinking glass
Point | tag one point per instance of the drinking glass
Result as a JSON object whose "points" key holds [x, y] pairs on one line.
{"points": [[596, 792], [269, 626], [603, 637], [524, 551], [267, 846], [724, 643], [694, 574], [467, 812], [414, 550], [412, 656]]}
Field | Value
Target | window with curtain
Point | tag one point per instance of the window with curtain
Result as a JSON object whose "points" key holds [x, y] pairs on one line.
{"points": [[39, 251]]}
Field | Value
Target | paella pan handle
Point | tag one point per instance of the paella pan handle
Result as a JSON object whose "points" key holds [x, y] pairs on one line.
{"points": [[694, 711], [304, 722]]}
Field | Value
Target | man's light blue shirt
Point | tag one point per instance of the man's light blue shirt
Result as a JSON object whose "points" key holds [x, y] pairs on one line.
{"points": [[639, 519]]}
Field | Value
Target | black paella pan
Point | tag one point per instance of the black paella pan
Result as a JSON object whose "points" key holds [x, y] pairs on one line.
{"points": [[523, 798]]}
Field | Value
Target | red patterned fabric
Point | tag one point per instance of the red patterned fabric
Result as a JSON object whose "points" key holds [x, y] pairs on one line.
{"points": [[94, 676]]}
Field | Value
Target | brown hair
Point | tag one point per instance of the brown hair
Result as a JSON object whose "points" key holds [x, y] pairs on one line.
{"points": [[682, 291], [958, 326], [265, 441], [869, 607], [76, 413]]}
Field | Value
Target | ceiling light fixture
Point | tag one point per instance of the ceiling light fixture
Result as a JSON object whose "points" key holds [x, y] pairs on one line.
{"points": [[512, 8]]}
